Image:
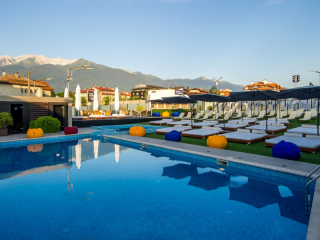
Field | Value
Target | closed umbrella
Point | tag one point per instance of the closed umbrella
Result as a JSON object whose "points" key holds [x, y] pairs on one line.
{"points": [[66, 93], [78, 99], [95, 101], [116, 100]]}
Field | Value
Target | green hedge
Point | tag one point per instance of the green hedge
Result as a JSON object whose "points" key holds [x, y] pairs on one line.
{"points": [[170, 110], [47, 124]]}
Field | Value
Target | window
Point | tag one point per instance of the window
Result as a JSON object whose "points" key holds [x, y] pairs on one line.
{"points": [[30, 90], [21, 90], [25, 90], [35, 90]]}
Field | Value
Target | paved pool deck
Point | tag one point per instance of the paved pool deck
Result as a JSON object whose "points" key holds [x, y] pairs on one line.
{"points": [[23, 136]]}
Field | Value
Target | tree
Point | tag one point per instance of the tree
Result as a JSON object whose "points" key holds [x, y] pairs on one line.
{"points": [[52, 93], [106, 100], [214, 90], [136, 98], [83, 101]]}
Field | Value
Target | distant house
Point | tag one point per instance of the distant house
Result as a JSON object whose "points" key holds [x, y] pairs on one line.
{"points": [[46, 89], [196, 91], [263, 86], [225, 92], [15, 85]]}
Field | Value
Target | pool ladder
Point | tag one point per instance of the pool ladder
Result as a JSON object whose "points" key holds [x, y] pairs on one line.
{"points": [[308, 194]]}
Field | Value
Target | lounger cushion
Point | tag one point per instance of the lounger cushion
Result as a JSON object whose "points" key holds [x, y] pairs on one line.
{"points": [[169, 129], [245, 136], [70, 130], [304, 130], [137, 131], [286, 150], [166, 114], [175, 114], [202, 132], [216, 141], [201, 124], [174, 136], [156, 114]]}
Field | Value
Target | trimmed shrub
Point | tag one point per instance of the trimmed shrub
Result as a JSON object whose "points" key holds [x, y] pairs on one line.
{"points": [[5, 119], [47, 124]]}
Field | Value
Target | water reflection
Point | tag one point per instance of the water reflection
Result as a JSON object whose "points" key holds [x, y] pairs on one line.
{"points": [[242, 189]]}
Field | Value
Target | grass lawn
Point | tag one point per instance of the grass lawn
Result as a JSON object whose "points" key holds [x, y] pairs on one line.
{"points": [[255, 148]]}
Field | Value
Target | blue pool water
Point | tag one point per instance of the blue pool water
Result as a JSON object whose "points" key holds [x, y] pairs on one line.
{"points": [[91, 189]]}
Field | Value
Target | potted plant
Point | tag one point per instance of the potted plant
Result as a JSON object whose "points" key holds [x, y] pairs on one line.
{"points": [[5, 121], [139, 109]]}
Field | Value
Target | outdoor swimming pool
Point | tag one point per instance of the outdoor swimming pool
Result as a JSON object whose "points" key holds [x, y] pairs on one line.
{"points": [[91, 189]]}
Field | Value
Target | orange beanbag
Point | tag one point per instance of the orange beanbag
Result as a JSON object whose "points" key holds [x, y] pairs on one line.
{"points": [[166, 114], [216, 141], [137, 131], [34, 133]]}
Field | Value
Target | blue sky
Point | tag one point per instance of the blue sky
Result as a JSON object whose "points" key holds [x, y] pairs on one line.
{"points": [[241, 40]]}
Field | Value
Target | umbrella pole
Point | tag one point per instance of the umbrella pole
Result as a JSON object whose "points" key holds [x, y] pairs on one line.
{"points": [[224, 121], [276, 109], [251, 108], [266, 119], [318, 118], [191, 113], [241, 111]]}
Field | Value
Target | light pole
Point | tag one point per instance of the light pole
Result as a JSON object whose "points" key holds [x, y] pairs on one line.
{"points": [[85, 67], [217, 82], [315, 72], [34, 84]]}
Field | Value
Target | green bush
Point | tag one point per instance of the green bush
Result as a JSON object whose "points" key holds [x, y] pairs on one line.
{"points": [[5, 119], [139, 108], [47, 124]]}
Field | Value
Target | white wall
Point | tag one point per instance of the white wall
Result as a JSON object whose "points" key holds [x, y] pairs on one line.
{"points": [[15, 90], [157, 94]]}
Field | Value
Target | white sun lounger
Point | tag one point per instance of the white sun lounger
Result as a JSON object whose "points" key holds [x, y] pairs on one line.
{"points": [[160, 122], [183, 123], [310, 143], [178, 128], [273, 128], [273, 120], [231, 126], [203, 124], [305, 129], [245, 136], [245, 120], [202, 133]]}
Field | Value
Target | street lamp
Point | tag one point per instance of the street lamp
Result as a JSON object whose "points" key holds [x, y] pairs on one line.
{"points": [[85, 67], [217, 83], [315, 72], [34, 84]]}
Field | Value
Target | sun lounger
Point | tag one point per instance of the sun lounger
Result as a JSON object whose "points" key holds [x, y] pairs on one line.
{"points": [[273, 128], [202, 133], [305, 129], [160, 122], [307, 117], [273, 120], [292, 116], [197, 116], [180, 116], [174, 123], [178, 128], [244, 120], [231, 126], [245, 136], [203, 124], [262, 114], [310, 143]]}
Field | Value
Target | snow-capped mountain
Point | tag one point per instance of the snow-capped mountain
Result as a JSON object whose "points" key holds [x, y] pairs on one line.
{"points": [[38, 59]]}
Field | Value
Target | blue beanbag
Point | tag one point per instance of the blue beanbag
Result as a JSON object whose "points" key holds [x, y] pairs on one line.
{"points": [[174, 136], [286, 150], [175, 114], [156, 114]]}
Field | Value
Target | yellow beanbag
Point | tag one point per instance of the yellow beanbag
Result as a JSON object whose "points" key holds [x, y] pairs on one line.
{"points": [[216, 141], [34, 133], [137, 131], [165, 114], [35, 148]]}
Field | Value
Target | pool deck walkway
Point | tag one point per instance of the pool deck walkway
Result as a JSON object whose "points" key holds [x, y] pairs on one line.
{"points": [[23, 136]]}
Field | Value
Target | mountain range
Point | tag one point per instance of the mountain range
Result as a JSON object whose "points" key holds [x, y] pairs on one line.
{"points": [[41, 67]]}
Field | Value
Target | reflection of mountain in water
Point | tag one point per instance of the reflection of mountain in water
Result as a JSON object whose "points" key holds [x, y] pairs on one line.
{"points": [[256, 193]]}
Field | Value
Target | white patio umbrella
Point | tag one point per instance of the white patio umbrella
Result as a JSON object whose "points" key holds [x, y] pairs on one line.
{"points": [[95, 101], [117, 152], [116, 100], [96, 148], [77, 104], [78, 151], [66, 94]]}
